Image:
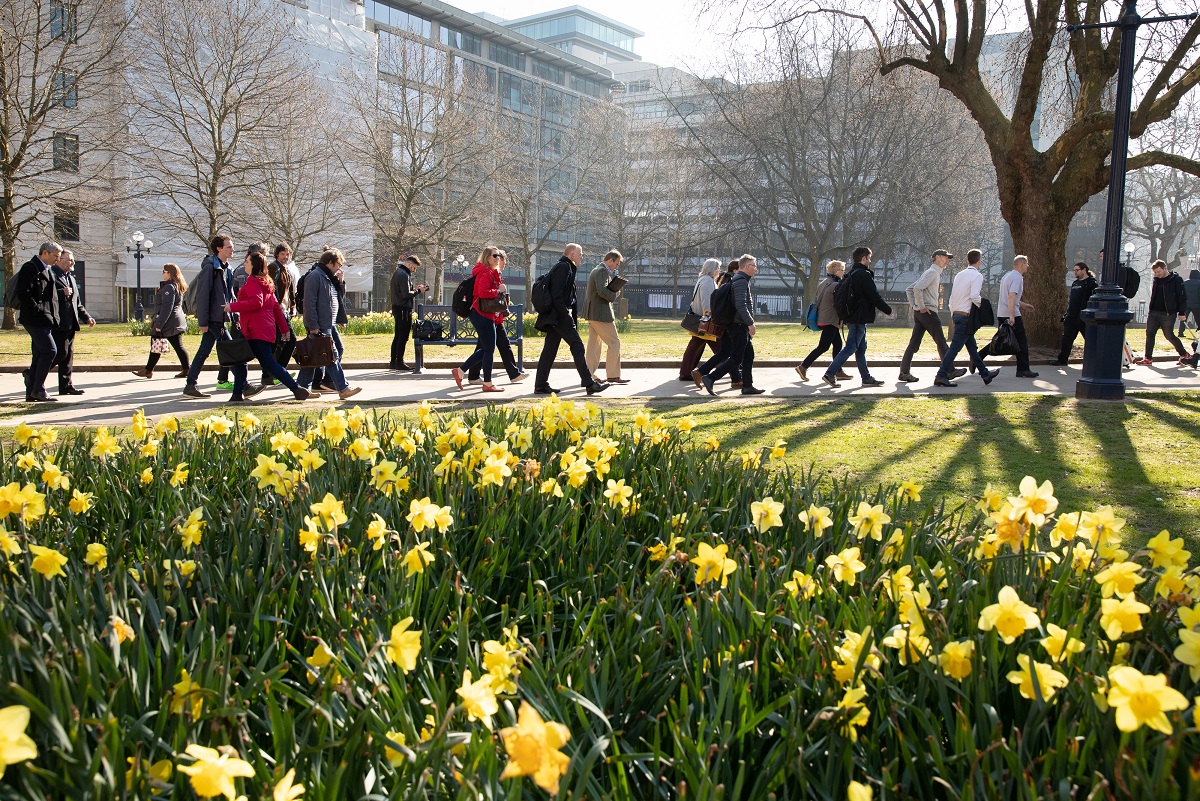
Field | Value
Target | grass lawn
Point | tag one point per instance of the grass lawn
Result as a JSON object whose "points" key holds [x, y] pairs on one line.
{"points": [[111, 343], [1137, 456]]}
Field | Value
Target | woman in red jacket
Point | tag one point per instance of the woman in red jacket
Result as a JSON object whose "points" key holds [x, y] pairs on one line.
{"points": [[488, 309], [260, 316]]}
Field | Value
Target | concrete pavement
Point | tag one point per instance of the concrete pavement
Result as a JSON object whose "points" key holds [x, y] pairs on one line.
{"points": [[111, 397]]}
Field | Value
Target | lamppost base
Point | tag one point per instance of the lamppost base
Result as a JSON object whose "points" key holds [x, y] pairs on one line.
{"points": [[1105, 319]]}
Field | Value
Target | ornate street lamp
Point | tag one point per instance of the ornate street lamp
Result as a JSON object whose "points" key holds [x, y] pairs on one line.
{"points": [[139, 246]]}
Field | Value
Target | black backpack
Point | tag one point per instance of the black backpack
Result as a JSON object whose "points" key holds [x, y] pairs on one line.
{"points": [[542, 302], [11, 300], [721, 309], [844, 302], [1130, 280], [463, 295], [299, 291]]}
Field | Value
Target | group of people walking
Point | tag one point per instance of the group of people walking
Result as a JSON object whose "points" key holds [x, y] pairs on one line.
{"points": [[50, 308]]}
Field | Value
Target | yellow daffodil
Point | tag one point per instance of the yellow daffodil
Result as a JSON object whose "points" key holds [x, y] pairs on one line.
{"points": [[1034, 503], [869, 521], [123, 630], [377, 531], [1141, 700], [910, 491], [478, 698], [394, 757], [859, 792], [845, 565], [80, 502], [1083, 558], [850, 651], [551, 487], [1060, 645], [192, 529], [991, 500], [577, 473], [1188, 651], [15, 745], [778, 451], [856, 714], [47, 561], [148, 449], [1166, 552], [416, 559], [104, 444], [712, 444], [310, 460], [97, 555], [1010, 617], [1065, 528], [1049, 680], [213, 771], [287, 789], [28, 461], [501, 664], [711, 563], [751, 460], [893, 548], [187, 692], [802, 585], [310, 535], [686, 424], [330, 511], [1120, 579], [364, 449], [899, 582], [955, 659], [249, 421], [1122, 617], [495, 471], [534, 749], [662, 551], [53, 477], [147, 476], [766, 514], [909, 641], [25, 501], [618, 494], [817, 518], [166, 424], [404, 645], [1171, 581], [1098, 526], [8, 543]]}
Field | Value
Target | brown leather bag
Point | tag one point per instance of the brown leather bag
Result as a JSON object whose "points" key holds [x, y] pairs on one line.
{"points": [[315, 350]]}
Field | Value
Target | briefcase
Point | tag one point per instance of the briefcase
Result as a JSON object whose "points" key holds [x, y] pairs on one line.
{"points": [[315, 350]]}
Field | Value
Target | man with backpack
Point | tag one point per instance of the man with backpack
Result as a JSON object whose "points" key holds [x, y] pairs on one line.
{"points": [[733, 307], [856, 300], [558, 309], [401, 293], [32, 291], [214, 293]]}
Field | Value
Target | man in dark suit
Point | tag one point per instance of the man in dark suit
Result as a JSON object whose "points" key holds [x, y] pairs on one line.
{"points": [[38, 303], [559, 324], [70, 314]]}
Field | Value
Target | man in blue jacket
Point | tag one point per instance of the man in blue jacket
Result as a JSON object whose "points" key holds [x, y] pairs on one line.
{"points": [[866, 301]]}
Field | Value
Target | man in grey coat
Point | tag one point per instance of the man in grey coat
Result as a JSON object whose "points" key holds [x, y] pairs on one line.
{"points": [[322, 310], [923, 297], [598, 311], [737, 346]]}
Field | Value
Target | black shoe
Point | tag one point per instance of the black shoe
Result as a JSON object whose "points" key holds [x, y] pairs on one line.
{"points": [[685, 378], [830, 380], [988, 376], [598, 386], [971, 366], [192, 392], [40, 399], [707, 381], [943, 382], [545, 390], [1059, 363], [752, 391], [69, 391], [959, 373], [872, 382], [401, 367], [908, 378], [250, 390], [1026, 374], [237, 400]]}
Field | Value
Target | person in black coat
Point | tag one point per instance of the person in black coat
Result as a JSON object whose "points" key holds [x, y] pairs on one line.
{"points": [[38, 302], [737, 346], [559, 324], [401, 292], [1168, 302], [1081, 292], [861, 281], [214, 291], [71, 314]]}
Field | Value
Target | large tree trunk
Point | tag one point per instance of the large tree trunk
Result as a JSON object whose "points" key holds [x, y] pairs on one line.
{"points": [[1039, 231]]}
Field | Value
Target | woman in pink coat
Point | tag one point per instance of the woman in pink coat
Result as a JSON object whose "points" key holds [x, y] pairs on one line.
{"points": [[259, 317]]}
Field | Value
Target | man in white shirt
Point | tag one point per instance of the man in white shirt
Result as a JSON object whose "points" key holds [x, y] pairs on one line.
{"points": [[1008, 309], [964, 297]]}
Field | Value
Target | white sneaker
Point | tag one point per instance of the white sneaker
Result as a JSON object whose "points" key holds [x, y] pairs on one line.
{"points": [[521, 376]]}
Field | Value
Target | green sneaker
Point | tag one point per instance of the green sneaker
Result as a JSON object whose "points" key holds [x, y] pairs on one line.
{"points": [[226, 385]]}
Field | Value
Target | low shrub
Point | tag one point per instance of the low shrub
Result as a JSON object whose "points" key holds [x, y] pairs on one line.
{"points": [[142, 328], [371, 323]]}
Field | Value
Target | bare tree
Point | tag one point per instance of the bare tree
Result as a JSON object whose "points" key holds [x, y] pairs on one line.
{"points": [[1163, 203], [626, 200], [58, 61], [208, 94]]}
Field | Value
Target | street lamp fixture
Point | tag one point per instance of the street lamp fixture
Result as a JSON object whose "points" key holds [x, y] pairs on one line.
{"points": [[139, 246]]}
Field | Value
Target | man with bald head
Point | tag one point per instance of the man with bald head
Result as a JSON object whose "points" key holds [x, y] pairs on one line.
{"points": [[71, 314], [559, 324]]}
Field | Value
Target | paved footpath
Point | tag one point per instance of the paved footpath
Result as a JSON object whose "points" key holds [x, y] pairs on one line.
{"points": [[111, 397]]}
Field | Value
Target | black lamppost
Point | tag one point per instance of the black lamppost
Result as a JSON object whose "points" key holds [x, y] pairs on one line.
{"points": [[1108, 312], [139, 246]]}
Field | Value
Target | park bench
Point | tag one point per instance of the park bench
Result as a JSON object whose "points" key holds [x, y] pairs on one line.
{"points": [[458, 331]]}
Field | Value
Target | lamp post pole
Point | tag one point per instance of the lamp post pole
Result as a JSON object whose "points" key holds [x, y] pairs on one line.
{"points": [[1108, 312], [139, 246]]}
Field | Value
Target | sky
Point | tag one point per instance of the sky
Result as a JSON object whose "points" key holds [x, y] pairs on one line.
{"points": [[673, 35]]}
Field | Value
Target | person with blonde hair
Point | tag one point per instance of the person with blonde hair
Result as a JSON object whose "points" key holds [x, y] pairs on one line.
{"points": [[827, 319], [489, 307], [169, 324]]}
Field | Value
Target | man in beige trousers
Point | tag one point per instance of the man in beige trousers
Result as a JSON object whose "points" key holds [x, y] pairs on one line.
{"points": [[598, 311]]}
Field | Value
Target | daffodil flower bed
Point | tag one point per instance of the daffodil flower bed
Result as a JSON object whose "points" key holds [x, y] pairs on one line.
{"points": [[534, 603]]}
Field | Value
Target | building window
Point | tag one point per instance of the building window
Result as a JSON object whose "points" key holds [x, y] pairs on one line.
{"points": [[465, 42], [559, 107], [66, 223], [477, 76], [63, 23], [66, 152], [587, 86], [384, 14], [66, 94], [517, 94], [506, 56], [639, 86], [549, 72]]}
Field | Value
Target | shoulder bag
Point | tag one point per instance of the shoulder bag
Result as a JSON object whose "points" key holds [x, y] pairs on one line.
{"points": [[232, 352], [315, 350], [691, 320]]}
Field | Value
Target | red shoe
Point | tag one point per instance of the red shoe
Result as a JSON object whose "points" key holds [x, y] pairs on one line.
{"points": [[492, 388], [1144, 362], [458, 376]]}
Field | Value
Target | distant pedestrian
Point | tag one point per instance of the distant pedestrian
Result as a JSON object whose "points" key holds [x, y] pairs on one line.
{"points": [[1010, 308], [966, 303], [1191, 290], [323, 308], [923, 298], [214, 287], [701, 294], [827, 319], [1168, 302], [865, 302], [489, 307], [402, 292], [38, 315], [737, 346], [71, 313], [602, 328], [559, 324], [262, 322], [1081, 292], [169, 323]]}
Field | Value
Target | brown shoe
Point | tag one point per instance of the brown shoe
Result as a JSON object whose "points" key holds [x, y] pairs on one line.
{"points": [[736, 384], [617, 381], [182, 374], [349, 392], [145, 373], [696, 377]]}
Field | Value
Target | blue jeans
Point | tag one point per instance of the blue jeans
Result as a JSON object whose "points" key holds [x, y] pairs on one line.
{"points": [[856, 343], [333, 372], [265, 353], [485, 329], [963, 335], [45, 352], [319, 372], [208, 341]]}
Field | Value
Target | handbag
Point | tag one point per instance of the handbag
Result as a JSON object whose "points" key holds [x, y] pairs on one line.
{"points": [[708, 328], [315, 350], [232, 352], [691, 320], [159, 345], [428, 330], [1004, 341], [496, 305]]}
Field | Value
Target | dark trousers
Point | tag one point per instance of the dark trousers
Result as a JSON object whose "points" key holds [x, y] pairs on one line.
{"points": [[961, 336], [692, 354], [265, 353], [485, 351], [563, 332], [180, 351], [504, 348], [737, 350], [1022, 345], [45, 351], [1072, 328], [923, 322], [831, 338], [282, 354], [719, 353], [208, 341], [1163, 321], [403, 316], [64, 342]]}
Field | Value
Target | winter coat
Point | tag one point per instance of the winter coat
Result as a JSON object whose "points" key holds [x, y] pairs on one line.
{"points": [[1167, 294], [321, 300], [826, 313], [400, 291], [39, 299], [259, 313], [702, 294], [1191, 288], [71, 312], [168, 311], [743, 299], [1081, 293], [286, 295], [487, 285], [564, 306], [597, 301], [866, 296], [213, 291]]}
